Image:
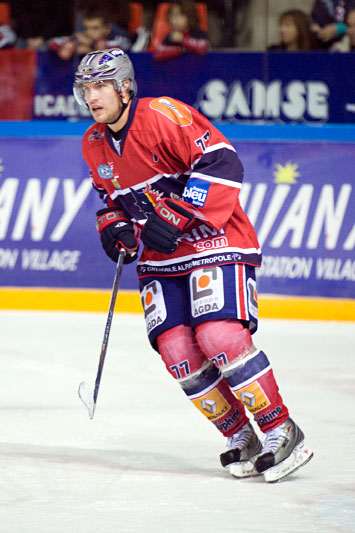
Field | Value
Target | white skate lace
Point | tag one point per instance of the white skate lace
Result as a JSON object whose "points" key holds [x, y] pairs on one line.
{"points": [[240, 439], [274, 439]]}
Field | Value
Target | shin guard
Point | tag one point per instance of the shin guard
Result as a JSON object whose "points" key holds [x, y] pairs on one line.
{"points": [[247, 370], [201, 381], [252, 381]]}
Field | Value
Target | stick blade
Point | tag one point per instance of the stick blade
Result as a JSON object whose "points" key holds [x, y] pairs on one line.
{"points": [[87, 397]]}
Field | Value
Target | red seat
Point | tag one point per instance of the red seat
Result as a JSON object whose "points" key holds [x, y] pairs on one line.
{"points": [[4, 13], [136, 17]]}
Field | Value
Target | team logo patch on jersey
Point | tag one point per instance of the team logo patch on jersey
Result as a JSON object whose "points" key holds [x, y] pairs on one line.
{"points": [[206, 288], [253, 397], [196, 191], [153, 305], [173, 110], [105, 172]]}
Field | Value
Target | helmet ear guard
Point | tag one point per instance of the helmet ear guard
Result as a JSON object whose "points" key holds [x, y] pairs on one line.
{"points": [[111, 64]]}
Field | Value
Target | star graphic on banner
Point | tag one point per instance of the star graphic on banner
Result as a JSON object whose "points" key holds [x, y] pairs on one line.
{"points": [[286, 173]]}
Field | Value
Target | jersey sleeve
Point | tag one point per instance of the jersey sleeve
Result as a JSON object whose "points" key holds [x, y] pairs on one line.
{"points": [[214, 168]]}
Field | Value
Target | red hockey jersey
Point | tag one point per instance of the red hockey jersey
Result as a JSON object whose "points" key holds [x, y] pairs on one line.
{"points": [[168, 149]]}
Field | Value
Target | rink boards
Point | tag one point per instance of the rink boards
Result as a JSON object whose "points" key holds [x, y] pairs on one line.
{"points": [[298, 192]]}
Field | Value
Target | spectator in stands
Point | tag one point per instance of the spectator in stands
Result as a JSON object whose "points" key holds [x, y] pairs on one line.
{"points": [[7, 35], [329, 21], [98, 33], [347, 43], [184, 35], [350, 21], [295, 33]]}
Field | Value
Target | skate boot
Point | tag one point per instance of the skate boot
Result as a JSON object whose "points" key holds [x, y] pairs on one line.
{"points": [[243, 448], [284, 451]]}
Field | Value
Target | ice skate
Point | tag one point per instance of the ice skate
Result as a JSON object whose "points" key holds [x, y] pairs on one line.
{"points": [[283, 452], [243, 448]]}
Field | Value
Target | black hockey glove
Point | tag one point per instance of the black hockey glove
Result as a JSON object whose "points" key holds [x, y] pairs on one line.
{"points": [[116, 231], [164, 226]]}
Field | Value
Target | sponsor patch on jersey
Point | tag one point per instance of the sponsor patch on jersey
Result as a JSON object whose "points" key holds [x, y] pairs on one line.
{"points": [[253, 397], [196, 192], [173, 110], [213, 405], [206, 288], [96, 135], [252, 297], [115, 183], [211, 244], [105, 172], [153, 305]]}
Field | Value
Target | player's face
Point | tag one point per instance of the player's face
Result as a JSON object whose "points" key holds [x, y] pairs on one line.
{"points": [[103, 100]]}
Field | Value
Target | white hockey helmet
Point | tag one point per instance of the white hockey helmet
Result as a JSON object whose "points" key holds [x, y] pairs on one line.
{"points": [[111, 64]]}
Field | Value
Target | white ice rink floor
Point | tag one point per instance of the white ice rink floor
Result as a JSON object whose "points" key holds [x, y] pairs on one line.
{"points": [[149, 462]]}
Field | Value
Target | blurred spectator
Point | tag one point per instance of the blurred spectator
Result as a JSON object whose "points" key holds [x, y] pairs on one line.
{"points": [[350, 21], [227, 16], [328, 21], [36, 21], [7, 34], [295, 33], [98, 33], [184, 35], [347, 44]]}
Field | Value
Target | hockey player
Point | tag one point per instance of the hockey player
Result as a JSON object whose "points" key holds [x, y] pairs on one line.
{"points": [[167, 173]]}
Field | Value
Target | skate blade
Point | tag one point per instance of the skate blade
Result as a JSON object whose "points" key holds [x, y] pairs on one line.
{"points": [[243, 469], [300, 456]]}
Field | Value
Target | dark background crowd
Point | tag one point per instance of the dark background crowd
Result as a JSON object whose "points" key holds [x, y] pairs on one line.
{"points": [[169, 29]]}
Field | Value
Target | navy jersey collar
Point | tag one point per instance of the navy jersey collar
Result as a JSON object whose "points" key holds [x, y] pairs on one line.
{"points": [[108, 133]]}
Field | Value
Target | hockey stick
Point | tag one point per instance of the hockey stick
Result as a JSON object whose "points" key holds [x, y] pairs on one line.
{"points": [[86, 395]]}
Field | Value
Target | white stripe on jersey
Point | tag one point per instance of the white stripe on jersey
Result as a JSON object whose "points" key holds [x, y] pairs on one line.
{"points": [[219, 146], [213, 148], [142, 184], [220, 181]]}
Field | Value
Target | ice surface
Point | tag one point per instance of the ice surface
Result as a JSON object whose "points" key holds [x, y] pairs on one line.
{"points": [[148, 462]]}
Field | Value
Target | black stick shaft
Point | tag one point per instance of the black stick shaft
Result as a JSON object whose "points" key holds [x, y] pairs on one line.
{"points": [[115, 286]]}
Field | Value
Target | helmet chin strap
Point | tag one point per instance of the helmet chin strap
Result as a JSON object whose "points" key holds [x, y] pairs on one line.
{"points": [[123, 109]]}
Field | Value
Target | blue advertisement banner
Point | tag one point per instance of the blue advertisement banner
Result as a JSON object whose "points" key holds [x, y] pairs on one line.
{"points": [[48, 236], [300, 198], [242, 87], [298, 194]]}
